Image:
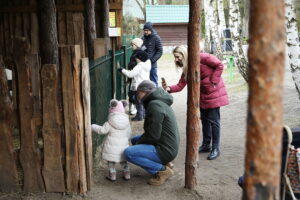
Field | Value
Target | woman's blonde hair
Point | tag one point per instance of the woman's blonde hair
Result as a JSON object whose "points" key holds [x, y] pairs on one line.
{"points": [[182, 50]]}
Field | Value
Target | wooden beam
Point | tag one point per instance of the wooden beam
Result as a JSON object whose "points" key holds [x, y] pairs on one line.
{"points": [[52, 130]]}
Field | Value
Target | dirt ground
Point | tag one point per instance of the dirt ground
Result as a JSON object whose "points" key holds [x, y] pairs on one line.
{"points": [[217, 179]]}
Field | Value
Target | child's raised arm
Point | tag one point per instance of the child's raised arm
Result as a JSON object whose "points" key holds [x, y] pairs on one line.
{"points": [[102, 130]]}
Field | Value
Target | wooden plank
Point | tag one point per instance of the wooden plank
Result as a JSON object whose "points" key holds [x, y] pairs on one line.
{"points": [[75, 52], [78, 25], [85, 91], [62, 28], [7, 35], [71, 171], [29, 153], [26, 26], [70, 29], [100, 47], [52, 130], [8, 169], [34, 30], [2, 40], [36, 82]]}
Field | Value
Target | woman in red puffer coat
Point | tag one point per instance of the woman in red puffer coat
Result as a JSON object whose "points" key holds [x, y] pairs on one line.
{"points": [[213, 95]]}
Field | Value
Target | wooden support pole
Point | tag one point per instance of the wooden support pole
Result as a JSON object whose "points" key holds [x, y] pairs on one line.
{"points": [[193, 110], [104, 22], [85, 89], [70, 126], [265, 110], [48, 32], [52, 130], [8, 168], [29, 154], [90, 26]]}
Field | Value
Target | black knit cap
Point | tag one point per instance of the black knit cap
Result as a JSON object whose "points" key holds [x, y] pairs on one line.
{"points": [[141, 55], [149, 26]]}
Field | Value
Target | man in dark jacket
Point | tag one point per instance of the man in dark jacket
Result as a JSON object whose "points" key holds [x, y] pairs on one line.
{"points": [[159, 144], [154, 49]]}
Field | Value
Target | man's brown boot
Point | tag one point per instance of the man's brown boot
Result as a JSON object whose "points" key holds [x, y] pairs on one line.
{"points": [[160, 177], [170, 165]]}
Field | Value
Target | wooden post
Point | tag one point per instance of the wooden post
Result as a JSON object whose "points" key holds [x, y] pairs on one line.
{"points": [[29, 154], [114, 73], [265, 110], [85, 89], [8, 168], [90, 26], [71, 171], [193, 110], [48, 32], [34, 30], [52, 130]]}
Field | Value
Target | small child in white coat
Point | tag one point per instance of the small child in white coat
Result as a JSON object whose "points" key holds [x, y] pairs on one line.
{"points": [[118, 132]]}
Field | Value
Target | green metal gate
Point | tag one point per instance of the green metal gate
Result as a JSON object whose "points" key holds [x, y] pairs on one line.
{"points": [[102, 85]]}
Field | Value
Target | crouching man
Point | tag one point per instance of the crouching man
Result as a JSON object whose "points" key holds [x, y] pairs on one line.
{"points": [[158, 145]]}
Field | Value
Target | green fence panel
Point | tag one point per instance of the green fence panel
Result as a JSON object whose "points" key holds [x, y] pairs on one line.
{"points": [[101, 93], [101, 77]]}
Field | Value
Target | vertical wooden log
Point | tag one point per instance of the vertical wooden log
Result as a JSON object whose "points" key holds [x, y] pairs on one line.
{"points": [[104, 22], [8, 168], [2, 40], [90, 26], [7, 35], [78, 24], [29, 153], [70, 28], [19, 20], [193, 110], [34, 30], [52, 130], [48, 32], [264, 123], [75, 52], [85, 90], [71, 137]]}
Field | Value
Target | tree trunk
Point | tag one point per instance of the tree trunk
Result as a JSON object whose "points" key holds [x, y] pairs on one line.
{"points": [[48, 32], [240, 59], [217, 50], [265, 109], [293, 43], [222, 23], [104, 22], [246, 19], [90, 26], [8, 168], [193, 110]]}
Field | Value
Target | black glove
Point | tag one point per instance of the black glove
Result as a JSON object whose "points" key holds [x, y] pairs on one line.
{"points": [[120, 69]]}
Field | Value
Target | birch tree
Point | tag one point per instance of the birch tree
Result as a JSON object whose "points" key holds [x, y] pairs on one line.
{"points": [[207, 26], [240, 59], [221, 16], [293, 43]]}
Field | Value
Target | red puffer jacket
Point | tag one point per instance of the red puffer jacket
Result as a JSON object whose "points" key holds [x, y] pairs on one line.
{"points": [[213, 93]]}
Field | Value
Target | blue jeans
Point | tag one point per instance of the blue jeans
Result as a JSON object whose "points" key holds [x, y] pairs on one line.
{"points": [[143, 155], [211, 126], [153, 75]]}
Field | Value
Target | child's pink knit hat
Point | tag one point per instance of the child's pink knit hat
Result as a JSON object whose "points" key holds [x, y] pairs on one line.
{"points": [[116, 106]]}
